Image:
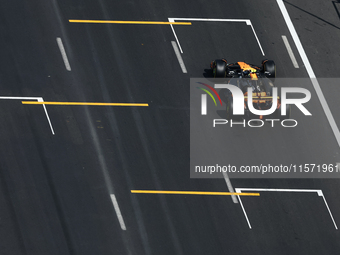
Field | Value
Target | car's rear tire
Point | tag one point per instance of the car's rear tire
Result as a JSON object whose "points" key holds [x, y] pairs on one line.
{"points": [[229, 107], [269, 68], [219, 69]]}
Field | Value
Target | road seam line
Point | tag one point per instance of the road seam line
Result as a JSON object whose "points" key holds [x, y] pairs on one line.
{"points": [[63, 54], [290, 51], [179, 57]]}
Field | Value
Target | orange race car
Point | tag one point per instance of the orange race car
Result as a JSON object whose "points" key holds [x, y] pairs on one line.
{"points": [[258, 78], [222, 69]]}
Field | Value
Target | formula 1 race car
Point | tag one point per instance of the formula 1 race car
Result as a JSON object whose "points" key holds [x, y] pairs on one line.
{"points": [[258, 78], [222, 69]]}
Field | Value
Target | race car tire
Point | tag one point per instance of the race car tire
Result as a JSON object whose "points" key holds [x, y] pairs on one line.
{"points": [[269, 68], [229, 107], [219, 69]]}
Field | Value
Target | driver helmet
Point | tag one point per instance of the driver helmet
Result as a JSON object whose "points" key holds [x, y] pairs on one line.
{"points": [[246, 73]]}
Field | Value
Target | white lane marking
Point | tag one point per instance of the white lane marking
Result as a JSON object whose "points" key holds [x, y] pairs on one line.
{"points": [[229, 185], [22, 98], [257, 39], [119, 214], [200, 19], [330, 213], [63, 53], [179, 57], [310, 71], [290, 52], [247, 21], [173, 30], [48, 118], [244, 211], [318, 191], [237, 190], [39, 99]]}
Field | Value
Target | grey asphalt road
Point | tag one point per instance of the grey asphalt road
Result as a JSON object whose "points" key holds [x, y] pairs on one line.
{"points": [[55, 189]]}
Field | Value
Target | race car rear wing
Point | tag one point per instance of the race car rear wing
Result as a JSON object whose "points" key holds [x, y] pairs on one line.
{"points": [[261, 99]]}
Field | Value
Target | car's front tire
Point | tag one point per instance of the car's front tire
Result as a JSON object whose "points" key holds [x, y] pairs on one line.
{"points": [[229, 107], [269, 68], [219, 69]]}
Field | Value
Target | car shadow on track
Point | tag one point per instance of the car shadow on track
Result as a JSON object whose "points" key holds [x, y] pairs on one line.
{"points": [[208, 73]]}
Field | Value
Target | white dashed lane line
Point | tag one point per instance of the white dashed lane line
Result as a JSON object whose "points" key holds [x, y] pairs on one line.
{"points": [[290, 52], [179, 57], [230, 187], [63, 53], [118, 212]]}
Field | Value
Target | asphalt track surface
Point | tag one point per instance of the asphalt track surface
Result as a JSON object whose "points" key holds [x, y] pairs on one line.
{"points": [[55, 189]]}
